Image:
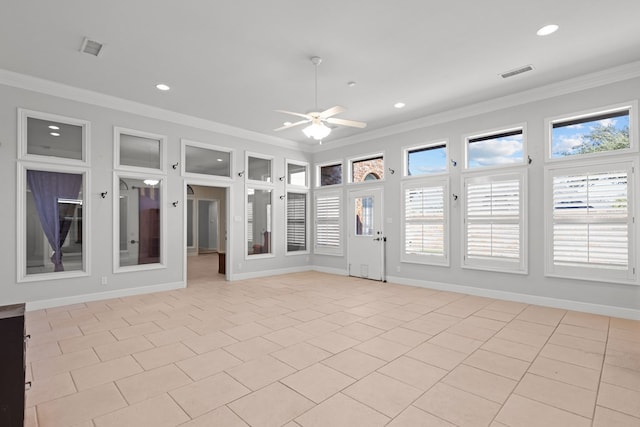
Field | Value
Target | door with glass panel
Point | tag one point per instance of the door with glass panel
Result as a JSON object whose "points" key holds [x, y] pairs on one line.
{"points": [[366, 239]]}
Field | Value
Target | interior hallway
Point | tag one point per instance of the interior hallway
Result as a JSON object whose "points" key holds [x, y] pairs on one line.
{"points": [[312, 349]]}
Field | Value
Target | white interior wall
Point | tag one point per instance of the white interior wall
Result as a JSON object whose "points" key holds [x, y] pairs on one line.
{"points": [[533, 287]]}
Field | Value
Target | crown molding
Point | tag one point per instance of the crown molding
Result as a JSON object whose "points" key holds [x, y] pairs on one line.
{"points": [[48, 87], [576, 84]]}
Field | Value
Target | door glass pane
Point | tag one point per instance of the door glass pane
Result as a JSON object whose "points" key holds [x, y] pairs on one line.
{"points": [[139, 151], [206, 161], [364, 216], [139, 207], [48, 138], [259, 169], [54, 214], [258, 221]]}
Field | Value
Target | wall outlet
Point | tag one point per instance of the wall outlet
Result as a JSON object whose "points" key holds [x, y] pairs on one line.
{"points": [[103, 280]]}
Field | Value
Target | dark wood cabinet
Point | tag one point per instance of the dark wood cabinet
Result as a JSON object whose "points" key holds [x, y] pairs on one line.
{"points": [[12, 365]]}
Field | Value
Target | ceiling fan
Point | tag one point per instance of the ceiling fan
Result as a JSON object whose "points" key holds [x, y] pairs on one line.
{"points": [[318, 129]]}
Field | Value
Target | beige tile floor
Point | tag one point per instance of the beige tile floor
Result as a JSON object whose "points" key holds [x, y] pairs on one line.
{"points": [[313, 349]]}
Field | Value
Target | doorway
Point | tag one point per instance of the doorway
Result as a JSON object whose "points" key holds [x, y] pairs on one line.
{"points": [[365, 254], [206, 233]]}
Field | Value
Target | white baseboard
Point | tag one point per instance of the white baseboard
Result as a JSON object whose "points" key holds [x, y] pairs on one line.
{"points": [[337, 271], [77, 299], [266, 273], [605, 310]]}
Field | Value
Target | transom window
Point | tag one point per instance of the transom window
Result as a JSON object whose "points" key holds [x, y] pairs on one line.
{"points": [[330, 174], [202, 159], [426, 159], [500, 148], [53, 138], [259, 168], [602, 132], [137, 150], [367, 169]]}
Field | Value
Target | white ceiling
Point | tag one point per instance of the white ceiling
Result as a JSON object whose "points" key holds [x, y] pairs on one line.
{"points": [[236, 61]]}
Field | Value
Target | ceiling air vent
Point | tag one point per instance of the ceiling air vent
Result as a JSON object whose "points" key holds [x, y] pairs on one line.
{"points": [[517, 71], [91, 47]]}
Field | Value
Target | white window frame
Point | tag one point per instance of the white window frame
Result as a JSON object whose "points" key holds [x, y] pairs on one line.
{"points": [[440, 260], [318, 174], [253, 182], [184, 143], [118, 131], [259, 185], [24, 115], [21, 228], [497, 131], [521, 266], [432, 144], [324, 250], [288, 162], [371, 156], [628, 276], [632, 106], [117, 175]]}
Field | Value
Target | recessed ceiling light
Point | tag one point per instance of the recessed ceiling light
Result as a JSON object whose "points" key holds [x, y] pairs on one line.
{"points": [[162, 86], [547, 29], [54, 134], [399, 105], [219, 160], [52, 127]]}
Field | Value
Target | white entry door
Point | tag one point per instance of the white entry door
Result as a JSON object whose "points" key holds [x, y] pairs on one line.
{"points": [[366, 238]]}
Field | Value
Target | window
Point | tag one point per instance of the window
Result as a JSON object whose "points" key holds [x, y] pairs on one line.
{"points": [[591, 133], [53, 138], [53, 208], [590, 221], [259, 168], [367, 169], [330, 174], [259, 221], [500, 148], [328, 223], [426, 159], [139, 222], [425, 227], [297, 174], [136, 150], [494, 222], [203, 159], [296, 222]]}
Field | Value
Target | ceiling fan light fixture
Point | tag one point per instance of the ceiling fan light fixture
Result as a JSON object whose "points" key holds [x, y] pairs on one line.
{"points": [[317, 131]]}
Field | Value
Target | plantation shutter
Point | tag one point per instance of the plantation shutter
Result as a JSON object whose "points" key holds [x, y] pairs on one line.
{"points": [[328, 211], [494, 219], [296, 222], [590, 220], [424, 220]]}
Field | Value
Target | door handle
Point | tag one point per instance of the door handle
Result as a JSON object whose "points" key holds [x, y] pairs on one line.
{"points": [[133, 242]]}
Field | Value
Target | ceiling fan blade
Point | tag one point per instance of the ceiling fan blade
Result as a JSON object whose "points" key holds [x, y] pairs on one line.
{"points": [[345, 122], [306, 116], [292, 125], [332, 111]]}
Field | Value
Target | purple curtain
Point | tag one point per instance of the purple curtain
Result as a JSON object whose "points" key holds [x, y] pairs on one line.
{"points": [[47, 188]]}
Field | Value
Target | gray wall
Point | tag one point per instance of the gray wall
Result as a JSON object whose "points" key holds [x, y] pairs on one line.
{"points": [[102, 122], [534, 283]]}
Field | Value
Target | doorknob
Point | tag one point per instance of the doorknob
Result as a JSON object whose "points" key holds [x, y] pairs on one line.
{"points": [[133, 242]]}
